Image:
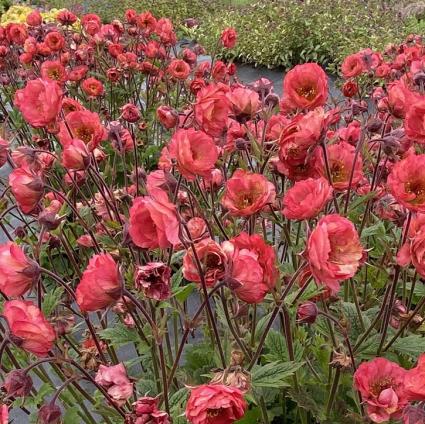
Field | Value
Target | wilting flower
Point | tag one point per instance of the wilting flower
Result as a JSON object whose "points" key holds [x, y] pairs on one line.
{"points": [[194, 151], [381, 385], [247, 193], [215, 404], [413, 415], [334, 251], [305, 87], [17, 383], [406, 182], [130, 113], [341, 162], [116, 381], [414, 123], [212, 259], [147, 412], [154, 280], [212, 108], [307, 313], [153, 221], [100, 285], [39, 102], [27, 187], [306, 199], [82, 125], [17, 272], [228, 38], [29, 328]]}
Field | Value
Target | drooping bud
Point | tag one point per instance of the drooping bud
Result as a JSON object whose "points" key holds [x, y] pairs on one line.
{"points": [[17, 383], [307, 313], [49, 414]]}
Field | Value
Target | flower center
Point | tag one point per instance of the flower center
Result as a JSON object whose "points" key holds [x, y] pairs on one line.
{"points": [[308, 92], [378, 386], [338, 171], [417, 188], [84, 134]]}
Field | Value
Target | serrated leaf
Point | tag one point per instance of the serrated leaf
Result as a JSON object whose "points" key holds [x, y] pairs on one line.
{"points": [[71, 416], [51, 300], [274, 373], [120, 335], [182, 293], [412, 346]]}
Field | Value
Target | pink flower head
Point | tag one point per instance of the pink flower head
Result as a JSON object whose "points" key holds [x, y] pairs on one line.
{"points": [[154, 280], [116, 381], [381, 385], [306, 199], [334, 251]]}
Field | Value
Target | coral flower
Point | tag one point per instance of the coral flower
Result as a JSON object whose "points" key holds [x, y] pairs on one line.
{"points": [[212, 258], [381, 385], [116, 381], [212, 109], [215, 404], [244, 103], [17, 272], [228, 38], [341, 158], [153, 221], [414, 381], [83, 125], [92, 87], [27, 187], [406, 182], [100, 285], [194, 151], [352, 66], [414, 123], [178, 69], [53, 70], [247, 193], [306, 199], [334, 251], [29, 328], [39, 102], [305, 87]]}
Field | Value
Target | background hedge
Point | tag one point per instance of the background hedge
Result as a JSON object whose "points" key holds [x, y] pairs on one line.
{"points": [[280, 32]]}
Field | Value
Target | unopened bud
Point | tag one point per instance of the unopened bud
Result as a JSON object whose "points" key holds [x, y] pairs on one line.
{"points": [[307, 313], [17, 383]]}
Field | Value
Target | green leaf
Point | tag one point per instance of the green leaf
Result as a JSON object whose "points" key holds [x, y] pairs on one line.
{"points": [[71, 415], [51, 300], [182, 293], [119, 334], [250, 416], [412, 346], [274, 373]]}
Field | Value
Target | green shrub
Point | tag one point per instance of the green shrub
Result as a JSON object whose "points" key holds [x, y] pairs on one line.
{"points": [[276, 32]]}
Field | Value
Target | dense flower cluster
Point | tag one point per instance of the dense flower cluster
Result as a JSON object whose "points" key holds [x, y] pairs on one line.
{"points": [[152, 196]]}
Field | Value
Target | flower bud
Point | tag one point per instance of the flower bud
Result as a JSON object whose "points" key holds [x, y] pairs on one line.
{"points": [[307, 313], [49, 414], [17, 383], [374, 125], [272, 100]]}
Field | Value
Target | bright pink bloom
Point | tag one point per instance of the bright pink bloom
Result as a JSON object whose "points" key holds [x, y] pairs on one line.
{"points": [[153, 221], [306, 199], [116, 381], [352, 66], [17, 272], [247, 193], [34, 18], [334, 251], [178, 69], [39, 102], [29, 328], [92, 87], [406, 182], [245, 103], [168, 116], [215, 404], [305, 87], [414, 123], [100, 285], [194, 151], [381, 385]]}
